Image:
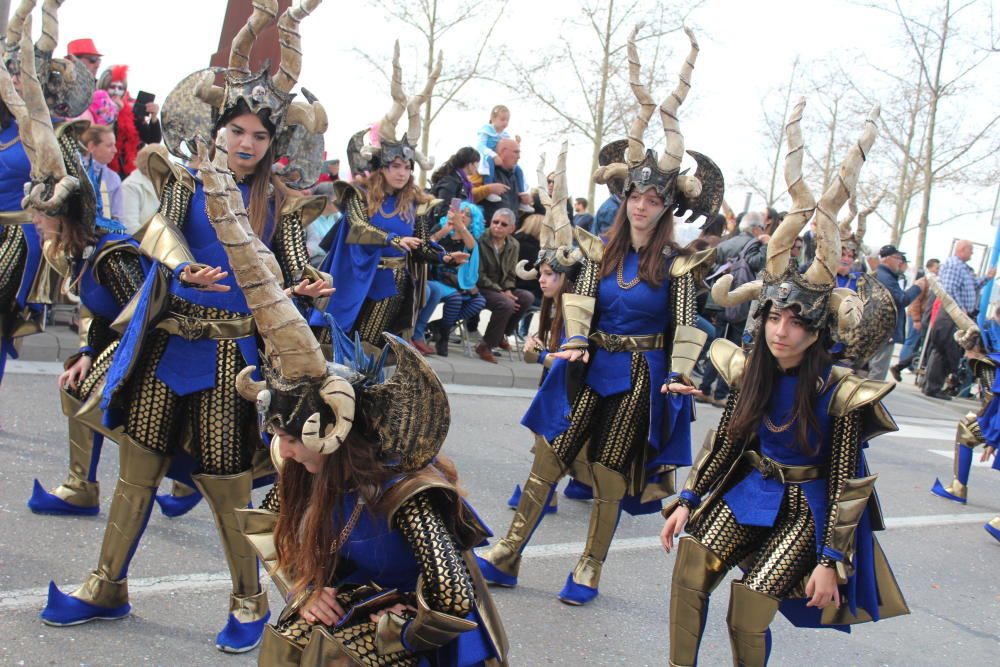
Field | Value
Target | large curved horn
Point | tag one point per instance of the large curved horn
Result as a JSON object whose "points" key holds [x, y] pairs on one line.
{"points": [[560, 227], [337, 393], [673, 152], [523, 272], [543, 192], [636, 151], [294, 351], [611, 172], [310, 114], [780, 246], [745, 292], [16, 24], [387, 127], [863, 217], [848, 308], [208, 92], [247, 387], [414, 103], [955, 311], [50, 26], [264, 12], [823, 269], [291, 44], [845, 222]]}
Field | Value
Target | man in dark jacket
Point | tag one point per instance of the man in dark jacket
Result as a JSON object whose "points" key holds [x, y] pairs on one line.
{"points": [[508, 155], [751, 241], [890, 267], [498, 252]]}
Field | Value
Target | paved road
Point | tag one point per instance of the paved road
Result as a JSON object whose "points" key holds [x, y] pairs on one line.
{"points": [[944, 560]]}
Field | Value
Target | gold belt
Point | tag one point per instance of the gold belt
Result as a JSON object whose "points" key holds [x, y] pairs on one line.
{"points": [[784, 473], [392, 263], [621, 343], [198, 328]]}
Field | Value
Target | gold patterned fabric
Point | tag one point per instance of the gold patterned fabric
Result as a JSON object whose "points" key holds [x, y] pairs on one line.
{"points": [[843, 466], [386, 314], [619, 422], [13, 253], [98, 371], [289, 247], [682, 297]]}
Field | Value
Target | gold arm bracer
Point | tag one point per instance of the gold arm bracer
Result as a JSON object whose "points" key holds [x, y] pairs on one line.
{"points": [[688, 342], [851, 502], [427, 630]]}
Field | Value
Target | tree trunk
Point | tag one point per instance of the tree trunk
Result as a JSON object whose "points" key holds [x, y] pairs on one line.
{"points": [[602, 97], [425, 131]]}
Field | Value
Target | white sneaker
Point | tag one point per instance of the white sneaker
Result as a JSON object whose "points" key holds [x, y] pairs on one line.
{"points": [[493, 198], [527, 208]]}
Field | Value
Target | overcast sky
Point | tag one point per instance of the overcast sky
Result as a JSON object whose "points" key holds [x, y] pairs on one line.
{"points": [[746, 51]]}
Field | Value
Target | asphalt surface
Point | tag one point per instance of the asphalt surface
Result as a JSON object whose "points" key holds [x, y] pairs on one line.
{"points": [[945, 562]]}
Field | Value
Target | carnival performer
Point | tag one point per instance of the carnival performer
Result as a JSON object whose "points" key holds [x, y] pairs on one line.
{"points": [[982, 428], [28, 284], [371, 537], [634, 303], [171, 385], [380, 254], [556, 269], [782, 488]]}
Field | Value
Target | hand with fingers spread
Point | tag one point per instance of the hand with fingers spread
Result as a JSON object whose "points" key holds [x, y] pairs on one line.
{"points": [[205, 278], [322, 607], [988, 453], [312, 289], [581, 354]]}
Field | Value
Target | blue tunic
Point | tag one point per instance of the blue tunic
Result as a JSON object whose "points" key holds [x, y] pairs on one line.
{"points": [[98, 299], [354, 267], [850, 281], [378, 553]]}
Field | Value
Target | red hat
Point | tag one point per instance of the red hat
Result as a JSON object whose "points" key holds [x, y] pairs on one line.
{"points": [[82, 47]]}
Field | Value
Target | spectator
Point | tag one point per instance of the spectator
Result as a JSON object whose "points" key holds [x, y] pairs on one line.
{"points": [[845, 276], [809, 252], [915, 329], [454, 286], [85, 51], [507, 156], [322, 225], [498, 252], [581, 217], [529, 244], [750, 244], [133, 127], [771, 220], [99, 141], [489, 138], [606, 214], [890, 267], [960, 282], [139, 198], [451, 179]]}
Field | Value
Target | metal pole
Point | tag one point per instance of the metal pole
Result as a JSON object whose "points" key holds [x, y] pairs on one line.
{"points": [[746, 203]]}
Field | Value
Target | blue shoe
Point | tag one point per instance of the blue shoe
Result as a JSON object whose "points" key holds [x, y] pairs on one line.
{"points": [[576, 594], [43, 502], [174, 506], [515, 498], [578, 491], [995, 532], [493, 575], [239, 637], [62, 610], [939, 490]]}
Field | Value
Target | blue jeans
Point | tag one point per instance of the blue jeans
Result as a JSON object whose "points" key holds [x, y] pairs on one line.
{"points": [[435, 292], [911, 346]]}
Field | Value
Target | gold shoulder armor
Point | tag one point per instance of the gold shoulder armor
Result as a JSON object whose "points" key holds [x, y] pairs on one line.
{"points": [[686, 263], [975, 364], [106, 251], [161, 170], [427, 207], [341, 191], [309, 208], [853, 392], [591, 246], [729, 359]]}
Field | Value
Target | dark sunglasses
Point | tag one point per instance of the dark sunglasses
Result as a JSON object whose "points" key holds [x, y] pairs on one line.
{"points": [[93, 60], [501, 223]]}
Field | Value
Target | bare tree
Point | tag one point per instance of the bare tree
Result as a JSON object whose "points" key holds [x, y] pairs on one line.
{"points": [[773, 135], [434, 20], [596, 102], [937, 143]]}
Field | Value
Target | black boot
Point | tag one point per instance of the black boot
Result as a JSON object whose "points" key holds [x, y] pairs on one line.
{"points": [[443, 332]]}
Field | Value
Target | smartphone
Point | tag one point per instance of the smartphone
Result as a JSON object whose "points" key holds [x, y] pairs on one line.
{"points": [[456, 203], [141, 100]]}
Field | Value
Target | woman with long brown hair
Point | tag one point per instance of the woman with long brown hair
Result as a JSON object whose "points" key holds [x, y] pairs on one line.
{"points": [[630, 321], [171, 387], [371, 536], [380, 253], [783, 489]]}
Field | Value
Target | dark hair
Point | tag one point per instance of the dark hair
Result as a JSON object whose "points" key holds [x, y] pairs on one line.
{"points": [[581, 201], [759, 380], [550, 318], [463, 157], [932, 262], [715, 227], [6, 117], [652, 268]]}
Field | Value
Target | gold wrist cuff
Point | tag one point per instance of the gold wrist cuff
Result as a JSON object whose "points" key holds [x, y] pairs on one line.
{"points": [[431, 629], [688, 342], [578, 313]]}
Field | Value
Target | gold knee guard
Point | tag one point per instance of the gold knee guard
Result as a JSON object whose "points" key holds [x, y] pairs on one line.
{"points": [[546, 470], [697, 572], [750, 614], [140, 472], [225, 494], [609, 489], [276, 650]]}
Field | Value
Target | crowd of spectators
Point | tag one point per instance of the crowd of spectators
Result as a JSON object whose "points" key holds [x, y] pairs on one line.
{"points": [[497, 222]]}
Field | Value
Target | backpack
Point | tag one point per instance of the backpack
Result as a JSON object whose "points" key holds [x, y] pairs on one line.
{"points": [[740, 270]]}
